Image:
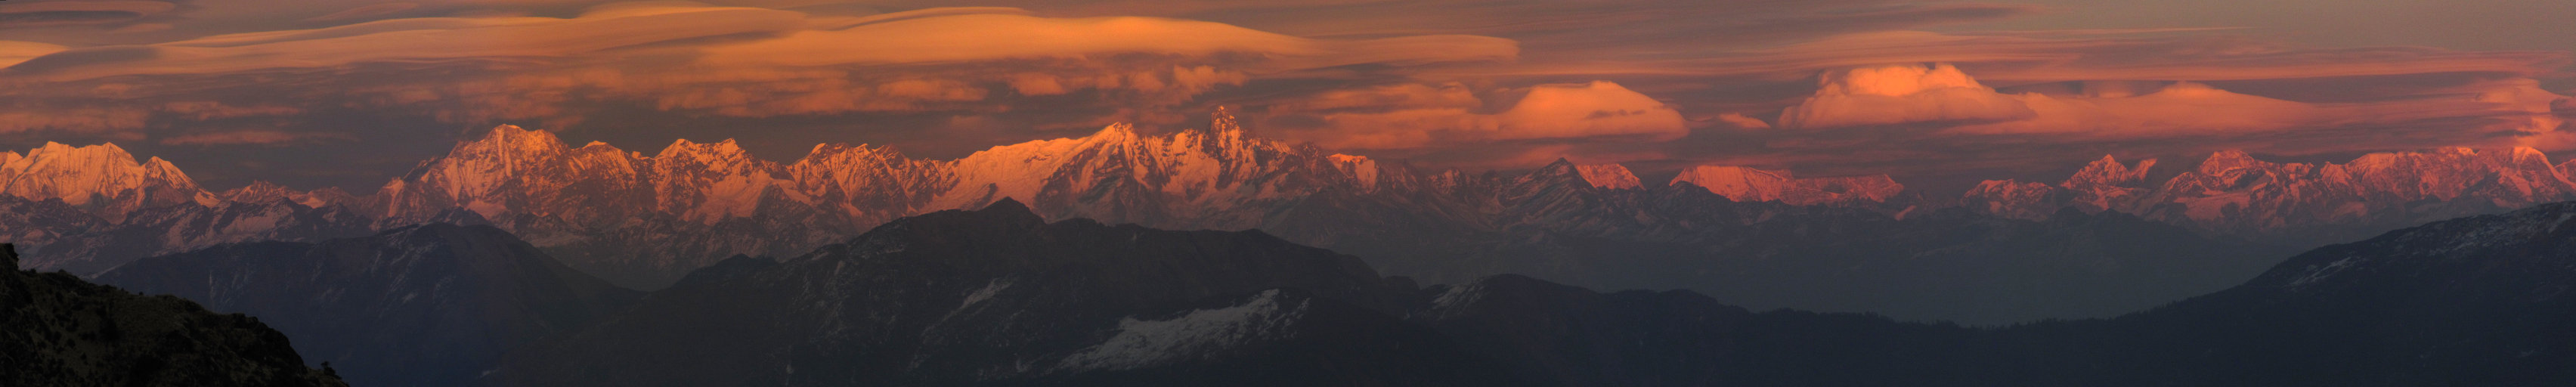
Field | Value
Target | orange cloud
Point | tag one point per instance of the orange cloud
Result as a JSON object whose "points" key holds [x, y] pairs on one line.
{"points": [[208, 110], [1552, 111], [2012, 58], [366, 11], [1398, 96], [423, 40], [1740, 121], [1944, 96], [61, 13], [12, 52], [976, 37], [730, 61], [1469, 82], [251, 137], [1901, 94], [21, 118]]}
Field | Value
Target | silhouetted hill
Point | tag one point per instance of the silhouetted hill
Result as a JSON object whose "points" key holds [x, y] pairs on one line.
{"points": [[426, 305], [56, 330], [1000, 297]]}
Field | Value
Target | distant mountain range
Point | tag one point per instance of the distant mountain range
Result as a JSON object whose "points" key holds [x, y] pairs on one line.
{"points": [[2302, 204], [2007, 251]]}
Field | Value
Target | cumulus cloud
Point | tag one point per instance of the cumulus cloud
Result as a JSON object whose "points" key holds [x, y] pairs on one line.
{"points": [[1901, 94], [1942, 96], [1551, 111]]}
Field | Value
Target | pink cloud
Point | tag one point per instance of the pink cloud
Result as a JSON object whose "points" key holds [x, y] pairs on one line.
{"points": [[252, 137], [1551, 111], [12, 52], [365, 11], [66, 13], [1886, 95], [1741, 121], [1944, 96]]}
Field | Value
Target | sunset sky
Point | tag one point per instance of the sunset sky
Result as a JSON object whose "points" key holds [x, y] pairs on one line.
{"points": [[313, 93]]}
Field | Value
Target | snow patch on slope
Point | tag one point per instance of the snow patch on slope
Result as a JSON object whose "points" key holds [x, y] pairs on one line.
{"points": [[1197, 334], [1609, 176]]}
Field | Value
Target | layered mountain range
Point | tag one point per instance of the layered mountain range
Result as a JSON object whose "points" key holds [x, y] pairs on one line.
{"points": [[1762, 238], [999, 296]]}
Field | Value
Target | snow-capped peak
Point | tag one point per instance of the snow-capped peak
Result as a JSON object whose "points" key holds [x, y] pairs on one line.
{"points": [[1753, 185], [2108, 172], [1359, 168], [2229, 160], [523, 138], [1609, 176], [720, 151], [81, 175]]}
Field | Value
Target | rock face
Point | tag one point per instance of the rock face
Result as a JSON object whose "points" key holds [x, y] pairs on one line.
{"points": [[426, 305], [56, 330], [1610, 176]]}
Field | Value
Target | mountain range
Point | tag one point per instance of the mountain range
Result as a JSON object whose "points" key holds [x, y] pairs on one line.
{"points": [[2007, 251], [1001, 297], [2297, 203]]}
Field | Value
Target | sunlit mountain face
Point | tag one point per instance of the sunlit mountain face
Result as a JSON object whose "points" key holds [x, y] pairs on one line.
{"points": [[1294, 193]]}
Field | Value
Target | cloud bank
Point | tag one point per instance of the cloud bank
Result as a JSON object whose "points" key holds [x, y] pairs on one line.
{"points": [[1822, 87]]}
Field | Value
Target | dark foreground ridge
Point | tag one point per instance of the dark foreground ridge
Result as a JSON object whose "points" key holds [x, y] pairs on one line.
{"points": [[56, 330], [425, 305], [1001, 297]]}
